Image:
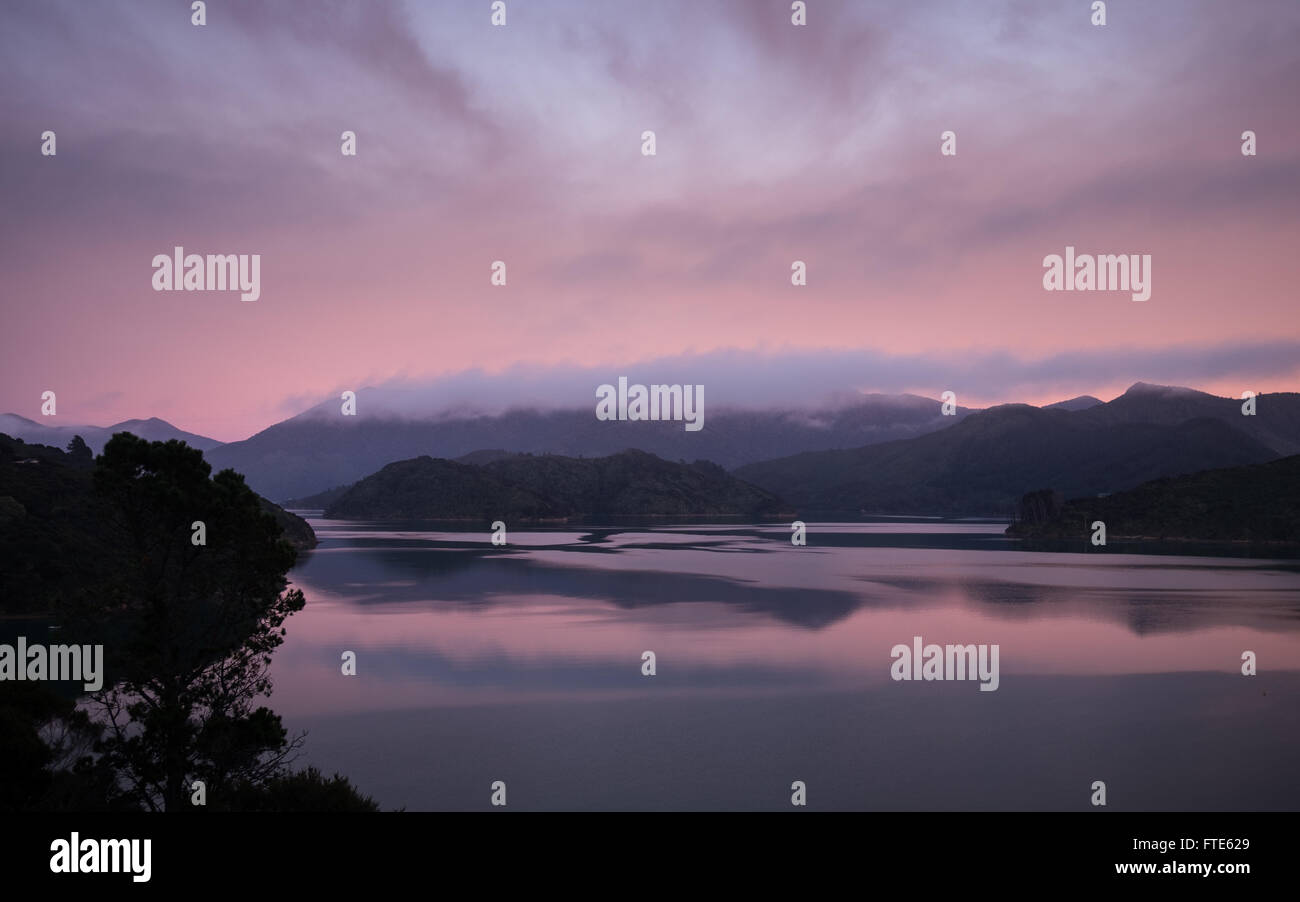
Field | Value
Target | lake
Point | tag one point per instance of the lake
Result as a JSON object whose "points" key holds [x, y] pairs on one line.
{"points": [[523, 664]]}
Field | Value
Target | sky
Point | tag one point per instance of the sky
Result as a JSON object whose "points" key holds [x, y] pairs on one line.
{"points": [[523, 143]]}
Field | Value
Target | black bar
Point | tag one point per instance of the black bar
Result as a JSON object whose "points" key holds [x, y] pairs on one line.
{"points": [[621, 852]]}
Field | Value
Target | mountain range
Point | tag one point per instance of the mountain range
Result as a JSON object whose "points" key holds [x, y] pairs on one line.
{"points": [[321, 449], [153, 429], [875, 454], [984, 464]]}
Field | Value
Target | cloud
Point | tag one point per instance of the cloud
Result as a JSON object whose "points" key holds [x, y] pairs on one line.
{"points": [[811, 379], [776, 144]]}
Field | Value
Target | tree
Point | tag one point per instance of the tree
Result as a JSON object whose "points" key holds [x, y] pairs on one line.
{"points": [[80, 451], [47, 746], [304, 790], [188, 628]]}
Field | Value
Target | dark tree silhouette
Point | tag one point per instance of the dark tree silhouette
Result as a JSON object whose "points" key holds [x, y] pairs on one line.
{"points": [[304, 790], [188, 628], [80, 452], [47, 746]]}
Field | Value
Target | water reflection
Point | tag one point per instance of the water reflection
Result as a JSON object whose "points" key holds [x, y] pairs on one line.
{"points": [[752, 634]]}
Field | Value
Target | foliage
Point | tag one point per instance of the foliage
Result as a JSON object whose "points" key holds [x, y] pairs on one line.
{"points": [[1258, 503], [188, 629], [551, 486]]}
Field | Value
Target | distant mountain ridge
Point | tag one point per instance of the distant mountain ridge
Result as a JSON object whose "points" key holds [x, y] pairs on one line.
{"points": [[320, 449], [526, 487], [58, 436], [1083, 402], [1275, 424], [977, 462], [987, 462]]}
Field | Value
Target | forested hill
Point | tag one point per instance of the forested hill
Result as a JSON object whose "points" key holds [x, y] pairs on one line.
{"points": [[552, 487], [1256, 503], [985, 463]]}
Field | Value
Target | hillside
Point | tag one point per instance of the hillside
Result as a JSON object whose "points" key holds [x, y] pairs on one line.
{"points": [[1083, 402], [1276, 423], [323, 500], [297, 531], [552, 487], [1257, 503], [986, 463], [318, 501], [432, 488], [320, 449]]}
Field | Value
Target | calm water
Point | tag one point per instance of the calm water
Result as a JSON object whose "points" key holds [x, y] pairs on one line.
{"points": [[523, 664]]}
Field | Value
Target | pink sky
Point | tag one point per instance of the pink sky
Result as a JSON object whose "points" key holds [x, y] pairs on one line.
{"points": [[522, 144]]}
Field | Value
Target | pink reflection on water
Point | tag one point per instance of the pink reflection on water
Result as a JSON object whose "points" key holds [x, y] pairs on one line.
{"points": [[1049, 614]]}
